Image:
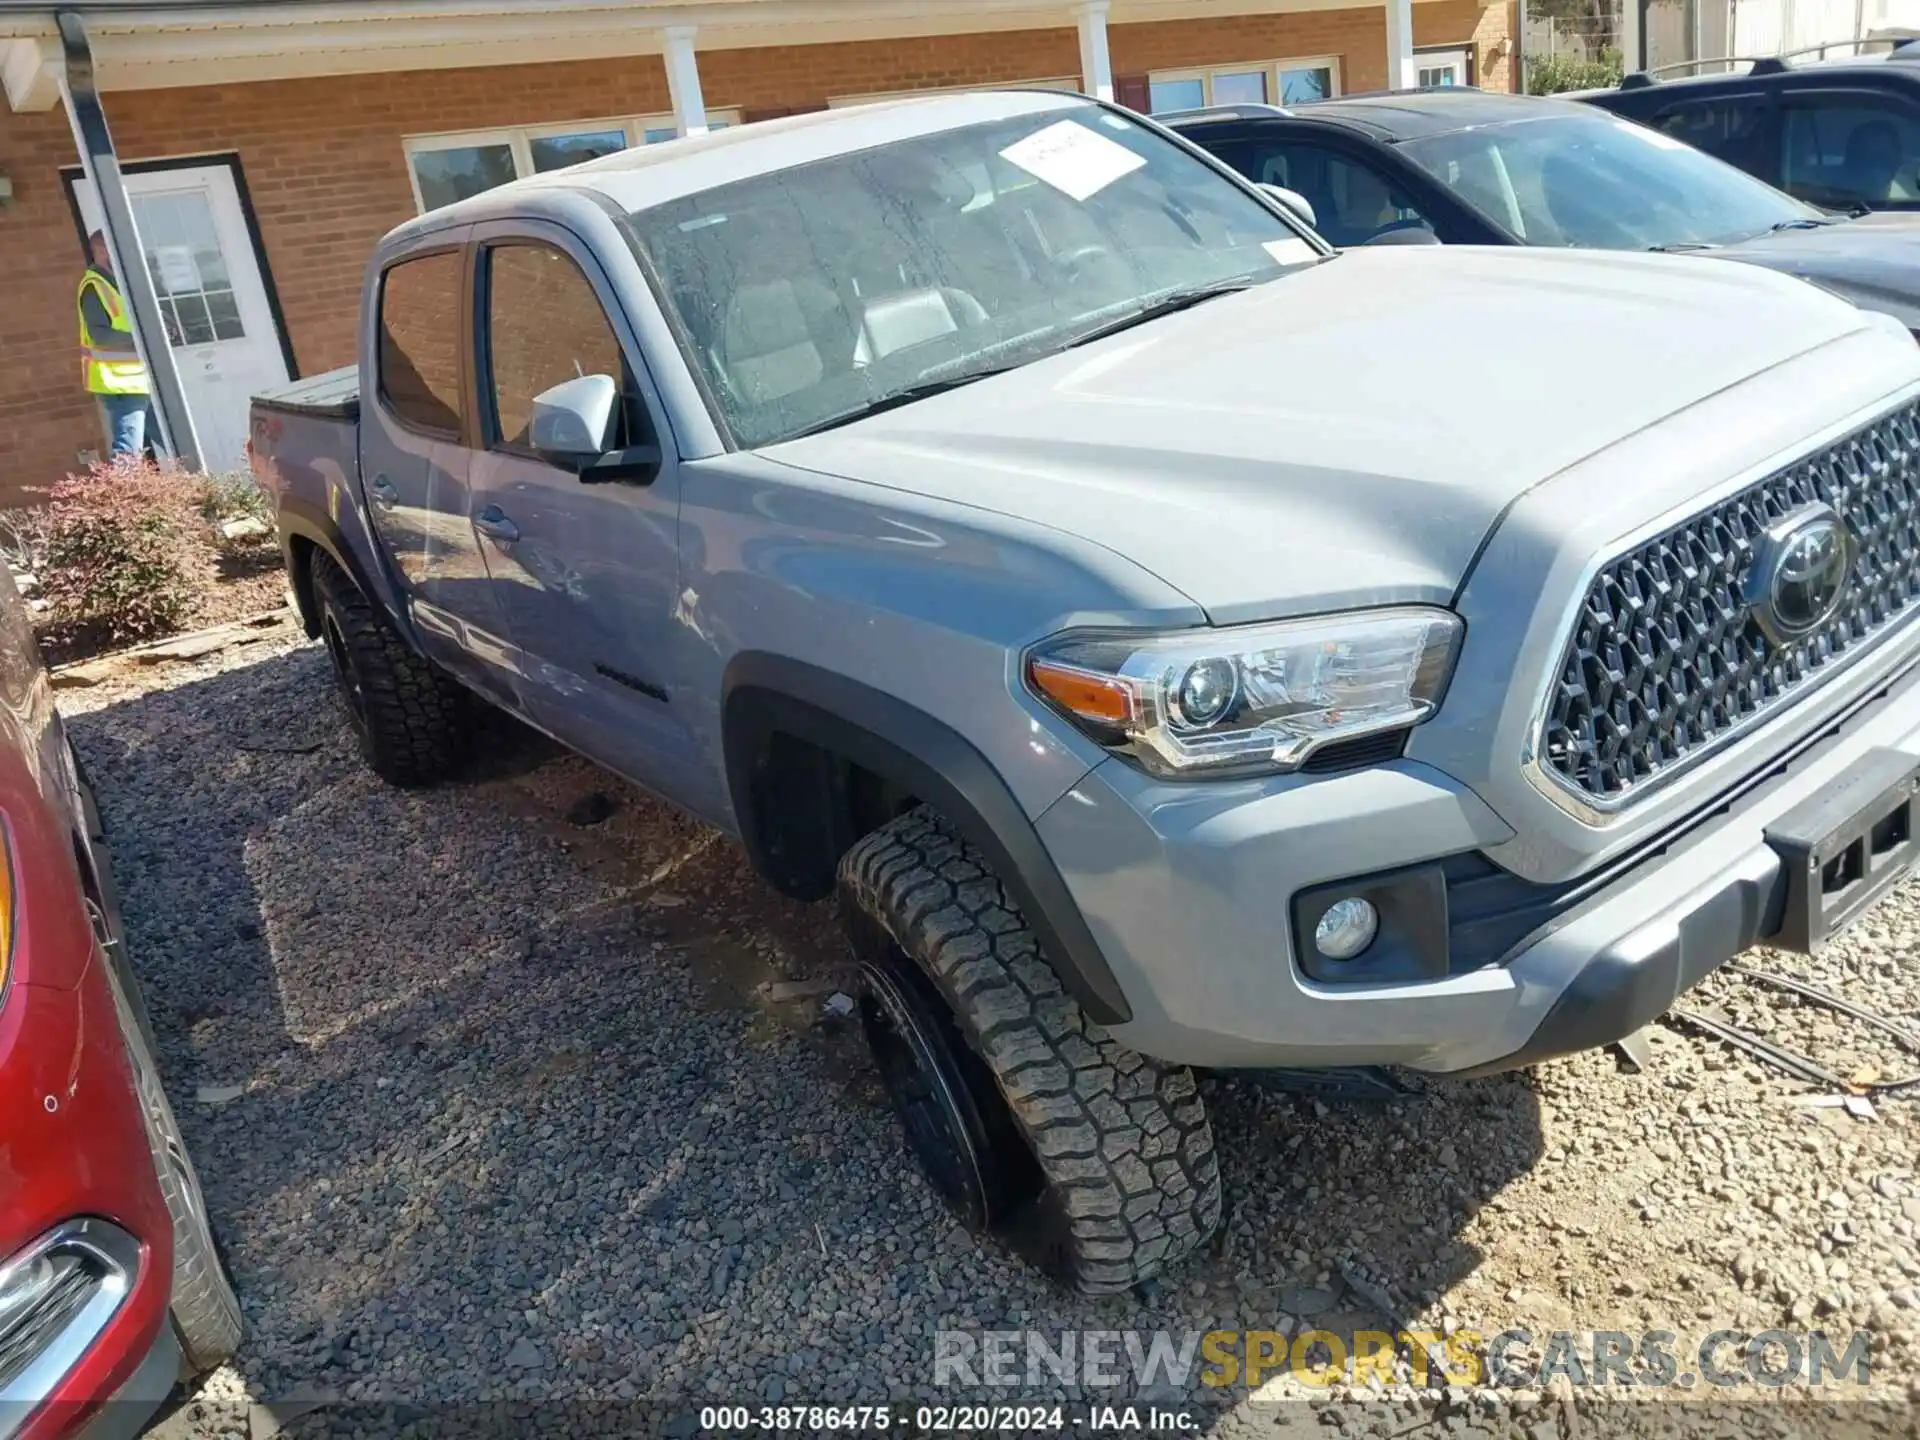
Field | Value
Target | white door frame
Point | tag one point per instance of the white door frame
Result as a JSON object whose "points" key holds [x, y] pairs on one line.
{"points": [[259, 308]]}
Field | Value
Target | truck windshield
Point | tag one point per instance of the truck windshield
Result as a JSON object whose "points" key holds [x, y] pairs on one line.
{"points": [[1608, 184], [814, 295]]}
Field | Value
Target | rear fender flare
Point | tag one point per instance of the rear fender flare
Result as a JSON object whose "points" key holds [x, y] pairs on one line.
{"points": [[299, 520]]}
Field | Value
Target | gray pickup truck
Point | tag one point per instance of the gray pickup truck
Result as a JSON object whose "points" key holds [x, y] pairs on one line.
{"points": [[1177, 644]]}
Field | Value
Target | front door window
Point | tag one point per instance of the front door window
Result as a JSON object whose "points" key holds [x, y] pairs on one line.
{"points": [[545, 326], [1352, 203], [1844, 149], [1727, 128]]}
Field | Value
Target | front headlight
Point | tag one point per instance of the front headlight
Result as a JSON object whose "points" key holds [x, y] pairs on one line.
{"points": [[1250, 698]]}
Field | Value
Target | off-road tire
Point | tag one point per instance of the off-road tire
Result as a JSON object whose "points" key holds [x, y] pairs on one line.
{"points": [[1129, 1182], [408, 716]]}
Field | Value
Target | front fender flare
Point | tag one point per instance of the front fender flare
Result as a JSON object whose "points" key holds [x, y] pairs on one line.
{"points": [[768, 694]]}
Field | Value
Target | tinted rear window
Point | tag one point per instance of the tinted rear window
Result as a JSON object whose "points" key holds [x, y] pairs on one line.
{"points": [[420, 341]]}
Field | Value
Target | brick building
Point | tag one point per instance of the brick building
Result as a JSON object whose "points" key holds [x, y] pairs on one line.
{"points": [[266, 147]]}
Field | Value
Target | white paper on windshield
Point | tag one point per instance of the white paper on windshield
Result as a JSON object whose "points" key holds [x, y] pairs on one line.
{"points": [[1293, 251], [1073, 159]]}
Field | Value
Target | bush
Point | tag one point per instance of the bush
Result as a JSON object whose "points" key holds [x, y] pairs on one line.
{"points": [[233, 495], [23, 539], [128, 553], [233, 500], [1553, 74]]}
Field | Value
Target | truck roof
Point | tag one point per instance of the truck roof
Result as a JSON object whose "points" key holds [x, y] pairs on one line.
{"points": [[650, 174]]}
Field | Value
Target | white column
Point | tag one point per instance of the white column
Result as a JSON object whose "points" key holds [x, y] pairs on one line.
{"points": [[1630, 56], [1401, 74], [683, 81], [1096, 70], [31, 70]]}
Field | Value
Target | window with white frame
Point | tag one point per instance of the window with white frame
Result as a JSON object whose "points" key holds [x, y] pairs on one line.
{"points": [[1057, 82], [1273, 82], [446, 168]]}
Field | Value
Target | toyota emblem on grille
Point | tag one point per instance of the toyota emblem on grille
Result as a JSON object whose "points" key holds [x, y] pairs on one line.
{"points": [[1799, 573]]}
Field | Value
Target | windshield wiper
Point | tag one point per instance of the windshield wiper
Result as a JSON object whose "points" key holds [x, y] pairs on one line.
{"points": [[1679, 246], [894, 399], [1165, 305], [1806, 223]]}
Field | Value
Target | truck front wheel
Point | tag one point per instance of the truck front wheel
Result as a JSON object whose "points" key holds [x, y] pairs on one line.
{"points": [[409, 718], [1095, 1163]]}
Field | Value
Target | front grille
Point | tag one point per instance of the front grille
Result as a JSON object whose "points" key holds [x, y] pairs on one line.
{"points": [[1666, 658]]}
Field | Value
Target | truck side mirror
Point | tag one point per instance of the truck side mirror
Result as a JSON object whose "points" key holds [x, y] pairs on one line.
{"points": [[1294, 203], [573, 421]]}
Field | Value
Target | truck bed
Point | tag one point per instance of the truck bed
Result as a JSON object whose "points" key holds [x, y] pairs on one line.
{"points": [[304, 446], [332, 395]]}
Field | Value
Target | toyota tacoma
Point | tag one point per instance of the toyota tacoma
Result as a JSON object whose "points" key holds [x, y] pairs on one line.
{"points": [[1178, 645]]}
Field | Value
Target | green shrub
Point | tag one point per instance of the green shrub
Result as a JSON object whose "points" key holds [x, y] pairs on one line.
{"points": [[128, 553], [233, 495], [1553, 74]]}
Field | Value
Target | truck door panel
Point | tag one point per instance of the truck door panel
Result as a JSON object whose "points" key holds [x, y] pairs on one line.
{"points": [[587, 574], [415, 461]]}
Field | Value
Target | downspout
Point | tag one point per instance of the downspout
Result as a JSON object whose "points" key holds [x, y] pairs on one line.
{"points": [[102, 166]]}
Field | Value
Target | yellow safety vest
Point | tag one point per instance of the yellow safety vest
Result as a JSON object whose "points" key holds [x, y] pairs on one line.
{"points": [[105, 372]]}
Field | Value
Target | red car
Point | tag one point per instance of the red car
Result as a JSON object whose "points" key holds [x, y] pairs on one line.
{"points": [[111, 1288]]}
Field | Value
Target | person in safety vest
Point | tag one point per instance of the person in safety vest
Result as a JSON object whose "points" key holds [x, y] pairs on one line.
{"points": [[110, 365]]}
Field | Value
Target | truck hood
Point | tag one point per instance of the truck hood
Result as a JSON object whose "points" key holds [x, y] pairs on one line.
{"points": [[1347, 434], [1873, 261]]}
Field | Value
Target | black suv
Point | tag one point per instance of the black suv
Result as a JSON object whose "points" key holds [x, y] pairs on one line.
{"points": [[1468, 168], [1836, 133]]}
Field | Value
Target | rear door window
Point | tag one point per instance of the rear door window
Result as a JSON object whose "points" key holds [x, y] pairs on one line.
{"points": [[1730, 127], [419, 355], [1843, 148], [1352, 202]]}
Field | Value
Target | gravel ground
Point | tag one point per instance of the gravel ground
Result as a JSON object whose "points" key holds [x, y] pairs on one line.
{"points": [[496, 1110]]}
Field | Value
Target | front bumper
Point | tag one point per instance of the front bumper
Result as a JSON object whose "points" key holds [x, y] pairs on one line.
{"points": [[1187, 888]]}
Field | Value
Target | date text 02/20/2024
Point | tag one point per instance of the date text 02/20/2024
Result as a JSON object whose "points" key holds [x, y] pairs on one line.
{"points": [[940, 1419]]}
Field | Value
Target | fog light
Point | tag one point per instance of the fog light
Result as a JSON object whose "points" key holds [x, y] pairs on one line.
{"points": [[1347, 928]]}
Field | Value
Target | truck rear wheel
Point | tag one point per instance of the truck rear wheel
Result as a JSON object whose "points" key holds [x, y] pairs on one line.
{"points": [[1094, 1162], [409, 718]]}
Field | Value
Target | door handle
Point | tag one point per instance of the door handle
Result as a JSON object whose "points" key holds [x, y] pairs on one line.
{"points": [[384, 495], [493, 523]]}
